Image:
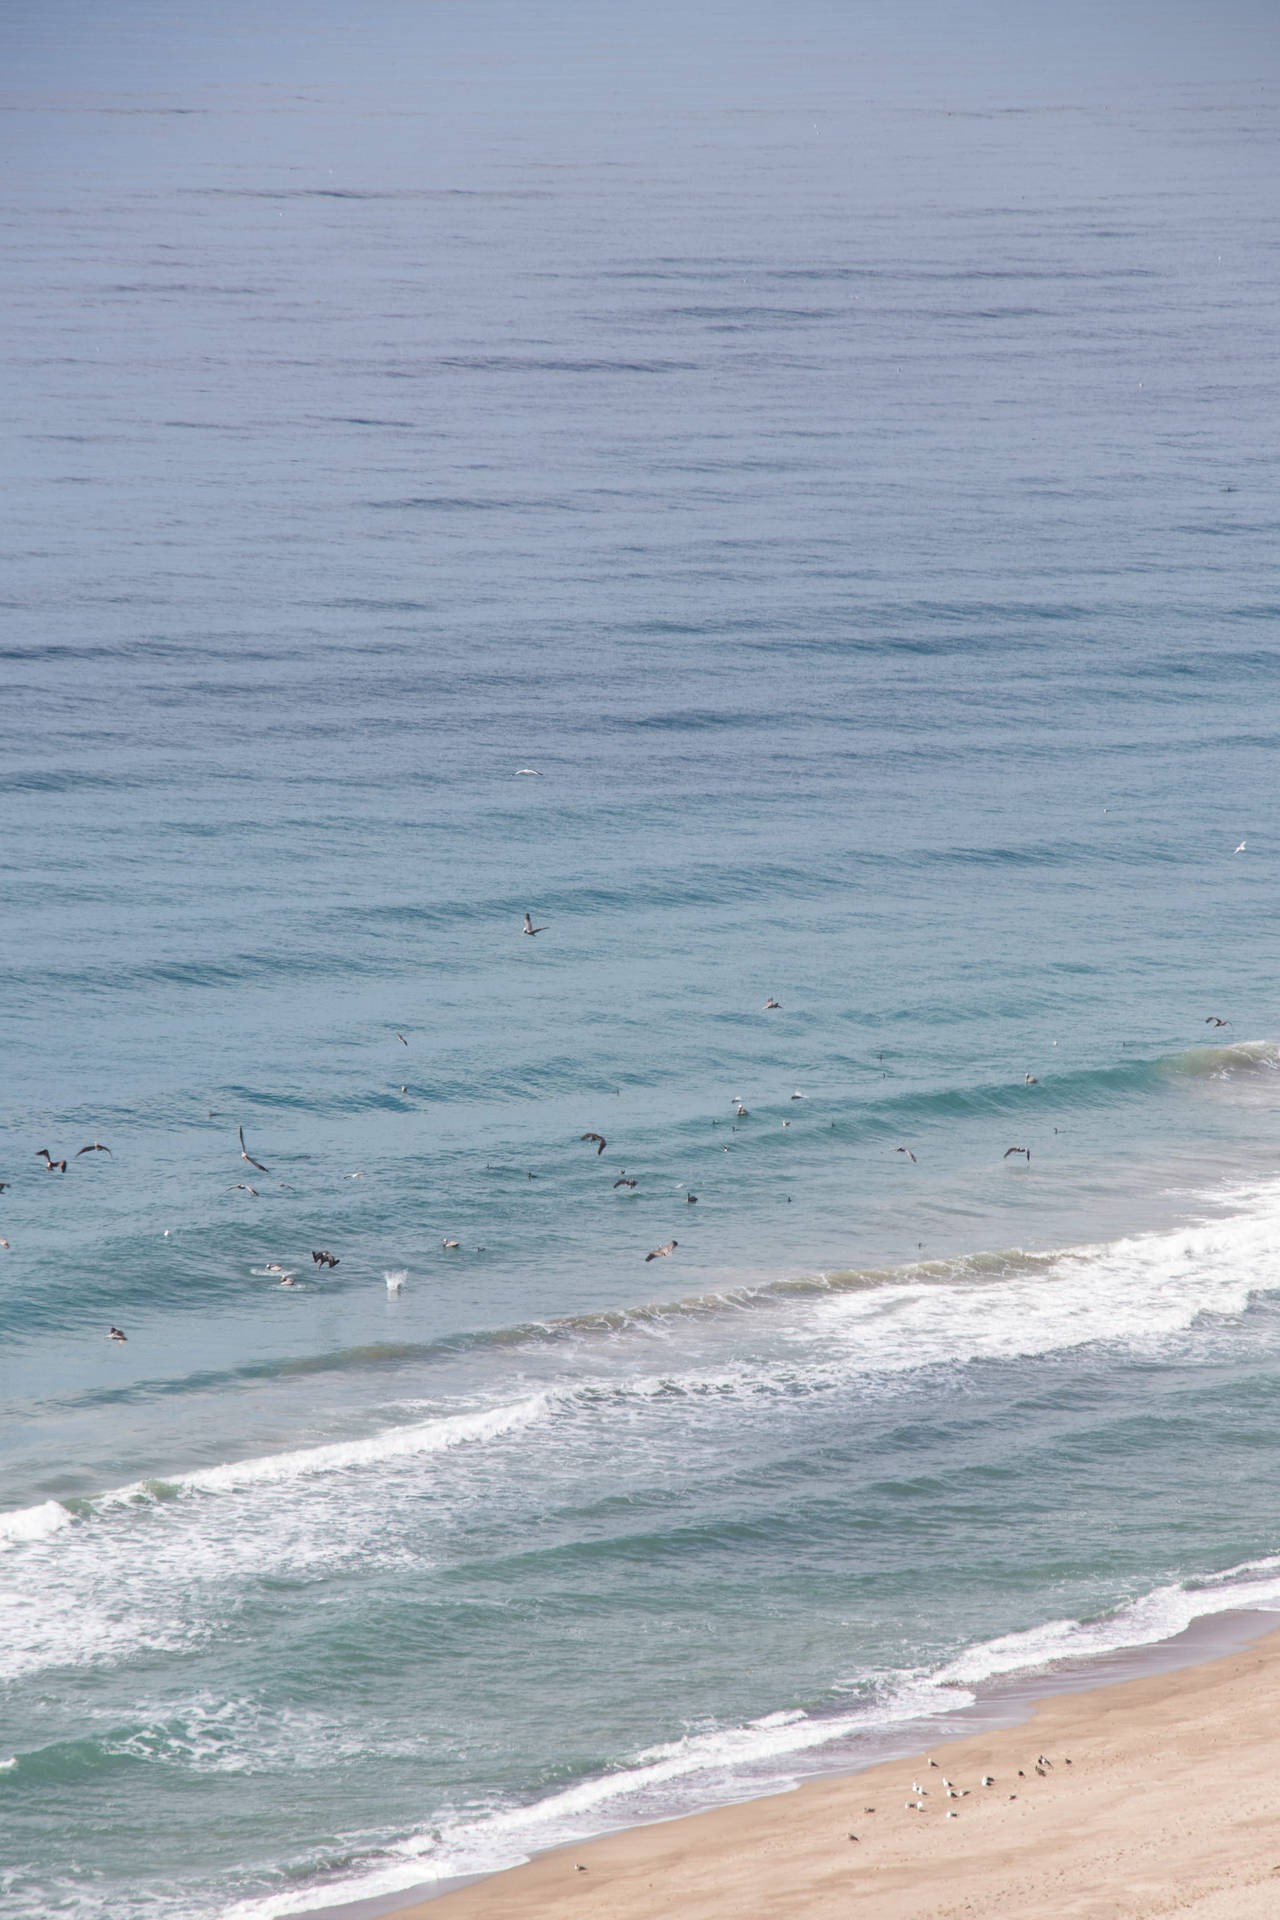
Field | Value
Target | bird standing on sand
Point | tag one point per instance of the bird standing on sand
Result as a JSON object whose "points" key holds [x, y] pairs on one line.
{"points": [[95, 1146], [1026, 1150], [246, 1155], [660, 1253], [529, 927], [51, 1165], [599, 1138]]}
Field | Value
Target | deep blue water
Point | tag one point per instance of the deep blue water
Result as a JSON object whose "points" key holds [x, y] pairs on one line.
{"points": [[835, 452]]}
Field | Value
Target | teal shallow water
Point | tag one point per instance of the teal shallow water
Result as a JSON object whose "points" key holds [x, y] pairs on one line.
{"points": [[843, 473]]}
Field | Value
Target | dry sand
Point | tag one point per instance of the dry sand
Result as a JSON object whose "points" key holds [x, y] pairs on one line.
{"points": [[1170, 1805]]}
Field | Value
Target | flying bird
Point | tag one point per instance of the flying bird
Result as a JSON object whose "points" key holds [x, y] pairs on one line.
{"points": [[660, 1253], [325, 1259], [242, 1186], [400, 1037], [1242, 846], [624, 1182], [246, 1155], [772, 1006], [911, 1157], [51, 1165], [95, 1146], [595, 1136], [1026, 1150], [533, 770], [1213, 1021], [529, 926], [114, 1333]]}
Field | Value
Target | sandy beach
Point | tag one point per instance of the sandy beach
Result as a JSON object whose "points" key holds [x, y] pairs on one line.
{"points": [[1154, 1796]]}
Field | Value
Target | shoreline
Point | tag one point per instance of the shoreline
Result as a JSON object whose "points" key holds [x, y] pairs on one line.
{"points": [[645, 1871]]}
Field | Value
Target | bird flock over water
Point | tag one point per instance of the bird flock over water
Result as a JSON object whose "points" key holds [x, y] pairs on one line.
{"points": [[627, 1183]]}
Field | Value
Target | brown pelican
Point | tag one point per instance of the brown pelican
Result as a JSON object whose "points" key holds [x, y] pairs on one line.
{"points": [[530, 928], [602, 1143], [660, 1253]]}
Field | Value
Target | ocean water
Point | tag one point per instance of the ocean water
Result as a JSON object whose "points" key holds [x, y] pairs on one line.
{"points": [[835, 452]]}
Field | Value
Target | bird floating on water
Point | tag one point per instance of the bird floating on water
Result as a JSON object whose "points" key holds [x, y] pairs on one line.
{"points": [[114, 1333], [1030, 1080], [691, 1199], [660, 1253], [772, 1006], [451, 1244], [529, 927]]}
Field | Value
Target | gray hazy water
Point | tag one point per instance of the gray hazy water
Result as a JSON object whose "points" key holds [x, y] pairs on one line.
{"points": [[837, 453]]}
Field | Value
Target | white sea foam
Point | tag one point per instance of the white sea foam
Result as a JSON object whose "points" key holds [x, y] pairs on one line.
{"points": [[33, 1523], [391, 1443]]}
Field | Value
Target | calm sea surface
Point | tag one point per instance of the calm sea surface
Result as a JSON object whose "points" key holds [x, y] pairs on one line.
{"points": [[787, 498]]}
